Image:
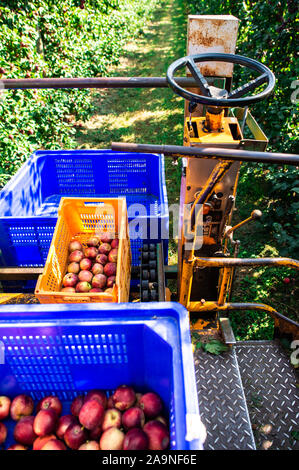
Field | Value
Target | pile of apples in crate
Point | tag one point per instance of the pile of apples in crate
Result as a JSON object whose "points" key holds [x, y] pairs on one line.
{"points": [[92, 269], [125, 421]]}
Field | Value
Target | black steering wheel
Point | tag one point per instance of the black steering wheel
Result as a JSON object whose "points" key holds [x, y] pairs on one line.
{"points": [[213, 96]]}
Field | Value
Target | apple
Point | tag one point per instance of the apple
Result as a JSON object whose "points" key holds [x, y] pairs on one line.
{"points": [[73, 268], [112, 418], [85, 264], [91, 414], [99, 280], [136, 439], [22, 405], [63, 423], [45, 422], [112, 439], [17, 447], [111, 281], [133, 418], [70, 280], [110, 269], [151, 404], [91, 252], [115, 243], [93, 241], [77, 404], [50, 403], [4, 407], [90, 445], [74, 245], [112, 257], [106, 237], [54, 444], [85, 276], [39, 442], [23, 431], [3, 433], [157, 434], [98, 395], [75, 436], [101, 259], [105, 248], [97, 268], [76, 256], [124, 397], [95, 434]]}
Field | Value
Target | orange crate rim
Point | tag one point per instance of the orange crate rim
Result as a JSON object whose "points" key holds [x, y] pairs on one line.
{"points": [[81, 218]]}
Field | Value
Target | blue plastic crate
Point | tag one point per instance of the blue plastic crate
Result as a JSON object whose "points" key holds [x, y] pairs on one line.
{"points": [[69, 349], [29, 202]]}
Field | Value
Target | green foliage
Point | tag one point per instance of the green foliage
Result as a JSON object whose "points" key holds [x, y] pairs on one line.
{"points": [[45, 38]]}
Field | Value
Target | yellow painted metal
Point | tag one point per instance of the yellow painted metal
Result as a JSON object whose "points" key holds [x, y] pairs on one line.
{"points": [[187, 269], [202, 134], [4, 298]]}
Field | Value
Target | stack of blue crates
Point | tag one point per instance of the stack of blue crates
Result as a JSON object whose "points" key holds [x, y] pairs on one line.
{"points": [[29, 202]]}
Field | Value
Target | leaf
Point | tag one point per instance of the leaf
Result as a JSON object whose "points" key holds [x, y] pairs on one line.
{"points": [[215, 347]]}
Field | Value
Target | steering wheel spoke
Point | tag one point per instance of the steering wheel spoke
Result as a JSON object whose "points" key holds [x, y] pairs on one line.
{"points": [[198, 77], [252, 85]]}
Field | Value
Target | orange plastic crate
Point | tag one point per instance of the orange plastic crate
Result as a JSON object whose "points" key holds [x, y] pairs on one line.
{"points": [[81, 218]]}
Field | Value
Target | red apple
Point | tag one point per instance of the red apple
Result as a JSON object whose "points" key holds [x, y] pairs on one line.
{"points": [[99, 280], [112, 439], [76, 256], [23, 431], [93, 241], [75, 436], [110, 269], [77, 404], [86, 263], [73, 268], [98, 395], [110, 403], [75, 246], [70, 280], [91, 252], [45, 422], [3, 433], [124, 397], [17, 447], [157, 434], [91, 414], [133, 418], [106, 237], [112, 419], [136, 439], [22, 405], [63, 423], [96, 289], [115, 243], [101, 259], [95, 434], [68, 289], [39, 442], [111, 281], [97, 269], [104, 248], [54, 444], [83, 286], [85, 276], [90, 445], [112, 257], [151, 404], [50, 403], [4, 407]]}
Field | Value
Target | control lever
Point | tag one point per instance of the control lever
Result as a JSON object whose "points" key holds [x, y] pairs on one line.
{"points": [[255, 215]]}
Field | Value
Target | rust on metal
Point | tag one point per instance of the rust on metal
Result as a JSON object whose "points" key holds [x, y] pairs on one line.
{"points": [[213, 33]]}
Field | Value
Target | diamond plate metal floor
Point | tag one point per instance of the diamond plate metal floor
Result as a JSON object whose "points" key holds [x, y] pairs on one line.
{"points": [[270, 386], [222, 402]]}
